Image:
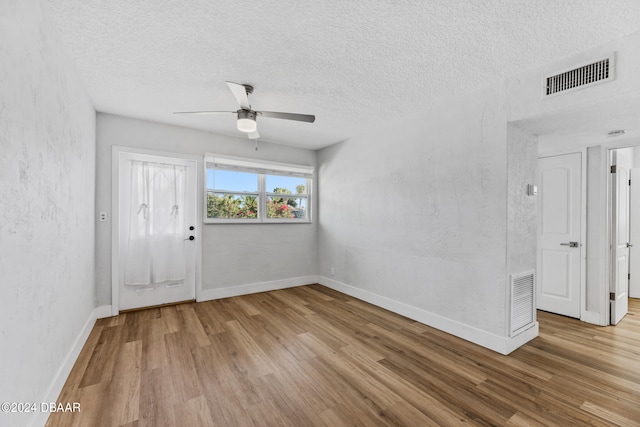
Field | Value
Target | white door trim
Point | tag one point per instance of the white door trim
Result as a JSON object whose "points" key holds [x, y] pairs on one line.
{"points": [[619, 244], [604, 238], [115, 217], [634, 235], [583, 236]]}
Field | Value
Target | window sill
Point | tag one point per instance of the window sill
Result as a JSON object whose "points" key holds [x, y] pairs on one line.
{"points": [[267, 221]]}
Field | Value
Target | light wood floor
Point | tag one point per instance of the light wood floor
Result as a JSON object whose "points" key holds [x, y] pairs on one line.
{"points": [[310, 356]]}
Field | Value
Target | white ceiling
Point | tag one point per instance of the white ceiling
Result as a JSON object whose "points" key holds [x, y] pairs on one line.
{"points": [[352, 63]]}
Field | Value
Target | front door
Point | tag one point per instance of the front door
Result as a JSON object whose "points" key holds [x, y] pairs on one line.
{"points": [[156, 230], [619, 294], [559, 234]]}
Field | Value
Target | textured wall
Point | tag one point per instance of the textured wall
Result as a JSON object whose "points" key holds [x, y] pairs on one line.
{"points": [[416, 211], [522, 166], [47, 164], [522, 153], [233, 254]]}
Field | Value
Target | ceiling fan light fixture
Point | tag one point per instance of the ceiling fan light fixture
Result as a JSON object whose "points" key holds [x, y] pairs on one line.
{"points": [[246, 121]]}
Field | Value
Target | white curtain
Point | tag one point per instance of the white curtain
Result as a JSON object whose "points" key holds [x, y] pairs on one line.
{"points": [[156, 246]]}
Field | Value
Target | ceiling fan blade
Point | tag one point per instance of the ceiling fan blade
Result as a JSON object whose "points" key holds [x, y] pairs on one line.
{"points": [[203, 112], [240, 93], [253, 135], [288, 116]]}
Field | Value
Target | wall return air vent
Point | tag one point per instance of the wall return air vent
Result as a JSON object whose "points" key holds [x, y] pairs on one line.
{"points": [[580, 77], [523, 305]]}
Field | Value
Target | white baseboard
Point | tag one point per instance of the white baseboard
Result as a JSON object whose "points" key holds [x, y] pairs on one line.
{"points": [[521, 339], [103, 311], [252, 288], [503, 345], [63, 372]]}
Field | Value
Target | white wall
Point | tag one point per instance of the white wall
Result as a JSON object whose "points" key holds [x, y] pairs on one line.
{"points": [[418, 213], [47, 165], [234, 255], [595, 245], [522, 166]]}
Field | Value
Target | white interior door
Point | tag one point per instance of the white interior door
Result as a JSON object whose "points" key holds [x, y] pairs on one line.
{"points": [[619, 292], [559, 231], [157, 199], [634, 233]]}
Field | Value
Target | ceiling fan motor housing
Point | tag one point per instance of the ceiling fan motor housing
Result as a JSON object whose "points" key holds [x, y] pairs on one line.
{"points": [[247, 114]]}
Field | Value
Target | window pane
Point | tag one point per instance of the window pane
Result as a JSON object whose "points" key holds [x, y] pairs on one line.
{"points": [[232, 180], [234, 206], [286, 184], [286, 207]]}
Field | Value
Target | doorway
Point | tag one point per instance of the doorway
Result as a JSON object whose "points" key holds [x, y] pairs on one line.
{"points": [[155, 230], [624, 230]]}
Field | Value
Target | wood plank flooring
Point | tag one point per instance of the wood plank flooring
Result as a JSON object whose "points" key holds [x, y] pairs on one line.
{"points": [[310, 356]]}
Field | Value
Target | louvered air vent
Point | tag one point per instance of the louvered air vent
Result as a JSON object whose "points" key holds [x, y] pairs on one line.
{"points": [[597, 72], [522, 302]]}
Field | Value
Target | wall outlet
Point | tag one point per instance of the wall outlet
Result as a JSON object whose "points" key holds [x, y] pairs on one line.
{"points": [[103, 216], [333, 271]]}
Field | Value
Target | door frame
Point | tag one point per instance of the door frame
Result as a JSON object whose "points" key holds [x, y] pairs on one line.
{"points": [[614, 205], [583, 219], [634, 205], [606, 230], [115, 217]]}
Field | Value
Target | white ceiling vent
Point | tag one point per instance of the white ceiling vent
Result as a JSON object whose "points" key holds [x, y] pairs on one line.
{"points": [[580, 77]]}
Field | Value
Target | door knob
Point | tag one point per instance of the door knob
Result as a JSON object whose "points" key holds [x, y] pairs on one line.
{"points": [[629, 245], [570, 244], [190, 238]]}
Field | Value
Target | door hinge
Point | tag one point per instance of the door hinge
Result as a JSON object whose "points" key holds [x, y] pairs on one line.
{"points": [[612, 296], [613, 168], [629, 182], [629, 276]]}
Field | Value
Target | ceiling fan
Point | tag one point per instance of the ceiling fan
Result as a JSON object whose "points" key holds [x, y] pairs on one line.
{"points": [[246, 116]]}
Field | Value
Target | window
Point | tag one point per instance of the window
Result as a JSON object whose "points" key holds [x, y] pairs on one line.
{"points": [[286, 196], [246, 191], [232, 194]]}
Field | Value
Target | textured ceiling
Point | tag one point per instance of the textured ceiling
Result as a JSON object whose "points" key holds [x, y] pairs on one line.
{"points": [[351, 63]]}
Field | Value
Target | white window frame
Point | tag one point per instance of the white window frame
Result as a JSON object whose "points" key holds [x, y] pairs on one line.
{"points": [[262, 168]]}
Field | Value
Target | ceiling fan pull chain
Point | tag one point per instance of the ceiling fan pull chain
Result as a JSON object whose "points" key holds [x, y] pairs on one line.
{"points": [[256, 144]]}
